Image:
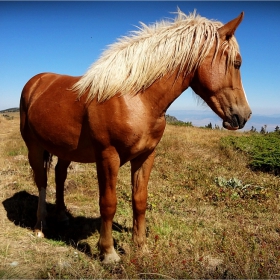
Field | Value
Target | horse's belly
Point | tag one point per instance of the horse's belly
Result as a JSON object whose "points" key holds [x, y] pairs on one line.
{"points": [[79, 155]]}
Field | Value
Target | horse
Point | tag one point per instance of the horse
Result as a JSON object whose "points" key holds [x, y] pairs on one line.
{"points": [[115, 112]]}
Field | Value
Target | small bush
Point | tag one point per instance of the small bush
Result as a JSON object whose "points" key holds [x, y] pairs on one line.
{"points": [[240, 190]]}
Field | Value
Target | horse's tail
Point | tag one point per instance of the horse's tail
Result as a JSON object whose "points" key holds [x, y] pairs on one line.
{"points": [[47, 160]]}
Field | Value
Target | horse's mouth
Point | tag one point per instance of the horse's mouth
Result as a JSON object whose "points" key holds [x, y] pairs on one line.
{"points": [[234, 123], [228, 126]]}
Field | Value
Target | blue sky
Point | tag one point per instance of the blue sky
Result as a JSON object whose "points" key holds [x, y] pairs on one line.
{"points": [[67, 37]]}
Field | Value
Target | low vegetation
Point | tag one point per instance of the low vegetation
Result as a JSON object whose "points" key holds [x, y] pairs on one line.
{"points": [[263, 149], [210, 213]]}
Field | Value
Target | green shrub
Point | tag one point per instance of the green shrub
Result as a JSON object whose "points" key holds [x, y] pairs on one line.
{"points": [[263, 149], [240, 190]]}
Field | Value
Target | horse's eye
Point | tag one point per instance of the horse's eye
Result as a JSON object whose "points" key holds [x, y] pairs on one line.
{"points": [[237, 64]]}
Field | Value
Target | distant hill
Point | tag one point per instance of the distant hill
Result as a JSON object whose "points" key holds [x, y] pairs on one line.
{"points": [[169, 119], [173, 120], [11, 110], [202, 118]]}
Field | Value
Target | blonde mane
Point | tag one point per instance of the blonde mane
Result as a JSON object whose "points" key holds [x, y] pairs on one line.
{"points": [[135, 62]]}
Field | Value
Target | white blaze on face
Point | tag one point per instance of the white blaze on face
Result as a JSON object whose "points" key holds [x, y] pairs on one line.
{"points": [[245, 94]]}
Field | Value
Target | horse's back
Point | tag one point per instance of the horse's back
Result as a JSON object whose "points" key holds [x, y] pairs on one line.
{"points": [[40, 83]]}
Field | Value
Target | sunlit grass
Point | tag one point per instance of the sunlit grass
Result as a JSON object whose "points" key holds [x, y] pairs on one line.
{"points": [[197, 226]]}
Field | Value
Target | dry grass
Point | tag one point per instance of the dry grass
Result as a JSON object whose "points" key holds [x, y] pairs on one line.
{"points": [[196, 229]]}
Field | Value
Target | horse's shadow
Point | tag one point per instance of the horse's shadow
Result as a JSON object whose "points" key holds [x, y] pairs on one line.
{"points": [[21, 210]]}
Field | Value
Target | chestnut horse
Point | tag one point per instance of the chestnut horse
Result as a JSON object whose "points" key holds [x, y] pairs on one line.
{"points": [[115, 112]]}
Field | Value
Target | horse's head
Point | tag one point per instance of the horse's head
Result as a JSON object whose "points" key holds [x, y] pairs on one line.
{"points": [[218, 82]]}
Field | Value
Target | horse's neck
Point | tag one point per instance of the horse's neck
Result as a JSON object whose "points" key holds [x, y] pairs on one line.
{"points": [[161, 94]]}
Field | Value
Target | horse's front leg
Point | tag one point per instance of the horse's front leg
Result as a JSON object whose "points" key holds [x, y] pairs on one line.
{"points": [[107, 171], [140, 172]]}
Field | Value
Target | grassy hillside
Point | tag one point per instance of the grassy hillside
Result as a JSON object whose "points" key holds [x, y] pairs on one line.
{"points": [[209, 214], [10, 110]]}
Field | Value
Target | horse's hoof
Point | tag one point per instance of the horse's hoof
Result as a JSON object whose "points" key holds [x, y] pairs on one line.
{"points": [[111, 258], [144, 249], [39, 234]]}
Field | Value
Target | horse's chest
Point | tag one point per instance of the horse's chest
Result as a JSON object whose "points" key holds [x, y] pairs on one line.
{"points": [[144, 138]]}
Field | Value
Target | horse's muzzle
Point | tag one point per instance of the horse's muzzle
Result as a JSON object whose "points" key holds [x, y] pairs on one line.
{"points": [[235, 122]]}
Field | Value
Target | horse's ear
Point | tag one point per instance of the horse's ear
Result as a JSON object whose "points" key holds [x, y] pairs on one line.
{"points": [[227, 30]]}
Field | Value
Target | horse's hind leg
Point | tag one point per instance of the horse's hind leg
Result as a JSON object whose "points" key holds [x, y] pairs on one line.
{"points": [[60, 177], [39, 160]]}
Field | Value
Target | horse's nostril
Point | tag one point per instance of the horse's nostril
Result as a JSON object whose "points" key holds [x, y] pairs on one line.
{"points": [[250, 114]]}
